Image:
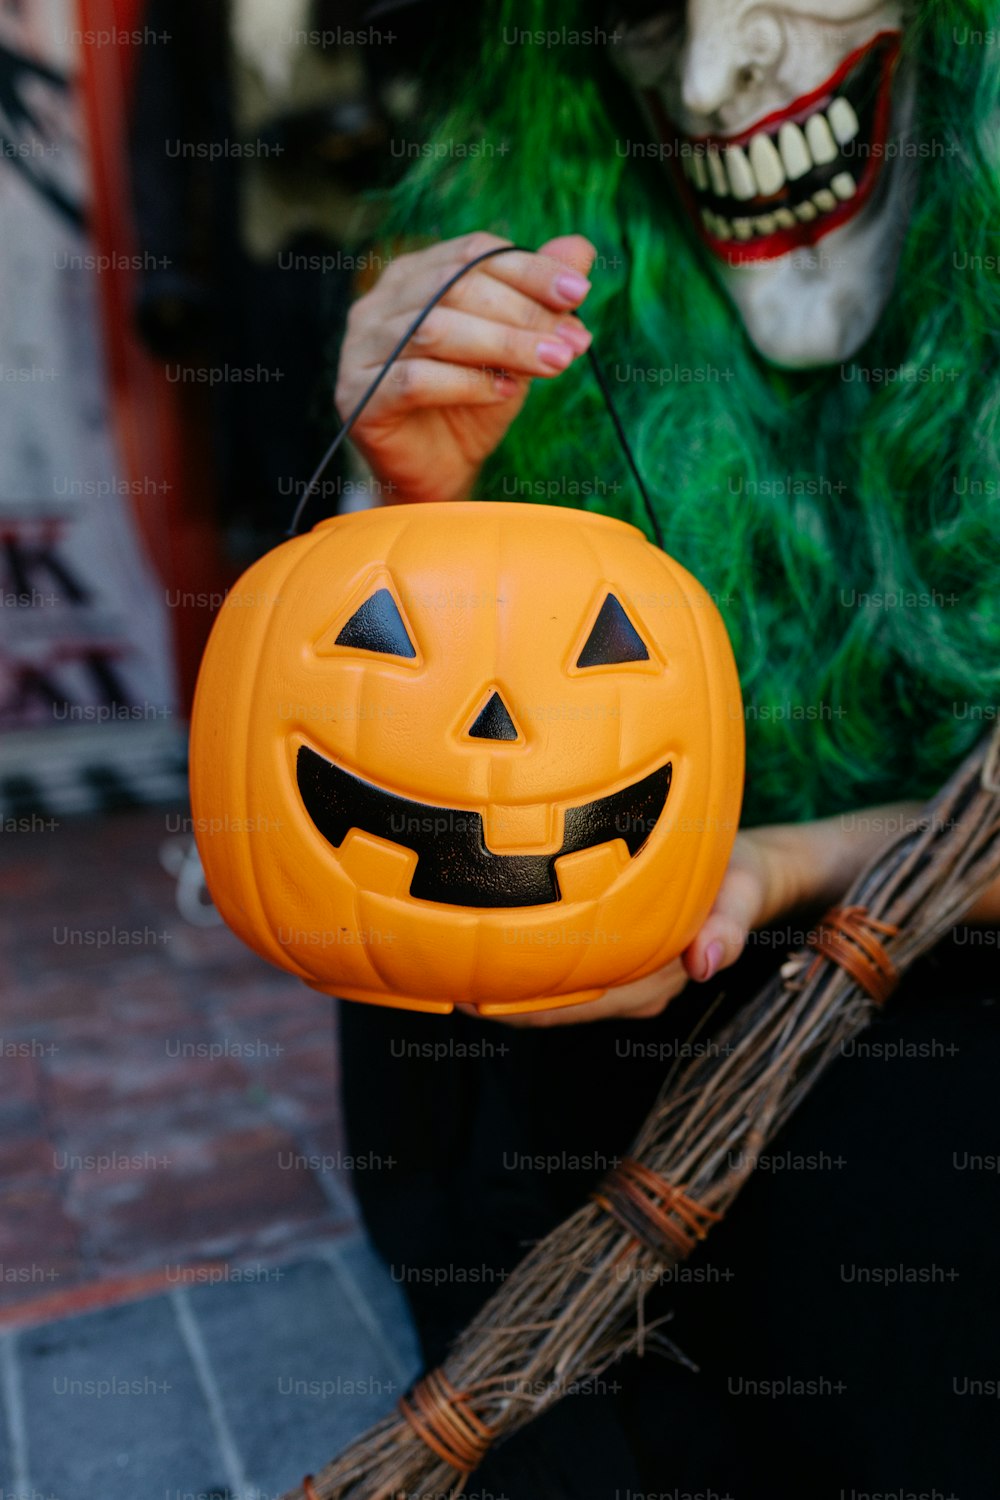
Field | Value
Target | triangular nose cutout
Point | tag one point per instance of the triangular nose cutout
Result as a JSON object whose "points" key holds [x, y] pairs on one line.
{"points": [[494, 722]]}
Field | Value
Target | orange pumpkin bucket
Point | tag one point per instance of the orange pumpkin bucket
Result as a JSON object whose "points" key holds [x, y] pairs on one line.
{"points": [[477, 753]]}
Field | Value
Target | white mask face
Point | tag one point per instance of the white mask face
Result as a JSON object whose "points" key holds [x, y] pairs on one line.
{"points": [[775, 121]]}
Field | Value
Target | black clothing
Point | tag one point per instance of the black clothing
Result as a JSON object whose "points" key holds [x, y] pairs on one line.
{"points": [[860, 1259]]}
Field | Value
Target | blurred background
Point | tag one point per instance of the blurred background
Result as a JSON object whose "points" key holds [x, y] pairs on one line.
{"points": [[189, 200]]}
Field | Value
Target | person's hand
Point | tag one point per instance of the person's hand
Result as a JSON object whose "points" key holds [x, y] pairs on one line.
{"points": [[772, 871], [462, 379]]}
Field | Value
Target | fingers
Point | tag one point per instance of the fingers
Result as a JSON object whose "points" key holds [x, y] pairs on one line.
{"points": [[645, 998], [517, 287], [571, 250], [724, 934], [463, 338], [479, 295], [556, 275], [416, 384], [509, 320], [641, 1000]]}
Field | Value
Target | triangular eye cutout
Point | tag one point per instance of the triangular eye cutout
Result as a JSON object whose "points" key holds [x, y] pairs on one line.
{"points": [[614, 639], [494, 722], [377, 626]]}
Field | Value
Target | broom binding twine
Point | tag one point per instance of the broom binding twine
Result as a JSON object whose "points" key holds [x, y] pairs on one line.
{"points": [[442, 1418], [653, 1211], [851, 937]]}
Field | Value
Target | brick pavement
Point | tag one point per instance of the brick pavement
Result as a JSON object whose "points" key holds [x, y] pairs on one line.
{"points": [[188, 1310], [166, 1098]]}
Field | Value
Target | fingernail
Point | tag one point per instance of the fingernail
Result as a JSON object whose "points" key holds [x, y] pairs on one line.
{"points": [[577, 337], [571, 287], [504, 385], [713, 958], [555, 353]]}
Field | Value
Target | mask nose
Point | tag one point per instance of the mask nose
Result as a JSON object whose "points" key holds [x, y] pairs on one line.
{"points": [[494, 721], [721, 60]]}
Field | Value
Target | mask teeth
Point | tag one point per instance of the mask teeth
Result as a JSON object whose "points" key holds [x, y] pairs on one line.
{"points": [[773, 164], [843, 187], [803, 169]]}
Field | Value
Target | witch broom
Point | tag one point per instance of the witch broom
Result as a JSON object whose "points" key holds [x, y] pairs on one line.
{"points": [[575, 1304]]}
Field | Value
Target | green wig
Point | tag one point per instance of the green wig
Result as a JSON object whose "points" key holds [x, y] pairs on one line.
{"points": [[846, 520]]}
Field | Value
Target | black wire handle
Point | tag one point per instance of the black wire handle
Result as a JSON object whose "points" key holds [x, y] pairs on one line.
{"points": [[407, 336]]}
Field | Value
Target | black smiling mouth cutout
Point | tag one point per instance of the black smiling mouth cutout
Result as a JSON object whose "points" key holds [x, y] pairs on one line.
{"points": [[454, 866]]}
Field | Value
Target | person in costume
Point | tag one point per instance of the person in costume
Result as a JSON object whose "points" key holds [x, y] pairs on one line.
{"points": [[779, 223]]}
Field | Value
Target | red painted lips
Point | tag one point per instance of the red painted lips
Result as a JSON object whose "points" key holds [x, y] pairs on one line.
{"points": [[798, 173]]}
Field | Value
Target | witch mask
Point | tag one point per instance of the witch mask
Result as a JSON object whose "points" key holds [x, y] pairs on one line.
{"points": [[782, 127]]}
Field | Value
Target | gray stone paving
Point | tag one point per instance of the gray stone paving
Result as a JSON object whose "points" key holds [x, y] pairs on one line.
{"points": [[229, 1391]]}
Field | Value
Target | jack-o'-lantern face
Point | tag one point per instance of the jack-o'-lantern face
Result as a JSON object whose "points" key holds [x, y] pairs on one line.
{"points": [[480, 753]]}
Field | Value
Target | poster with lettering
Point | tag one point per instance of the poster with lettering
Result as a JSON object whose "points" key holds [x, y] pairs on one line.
{"points": [[85, 638]]}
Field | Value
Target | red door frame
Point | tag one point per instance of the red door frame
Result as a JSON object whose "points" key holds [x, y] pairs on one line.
{"points": [[162, 429]]}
